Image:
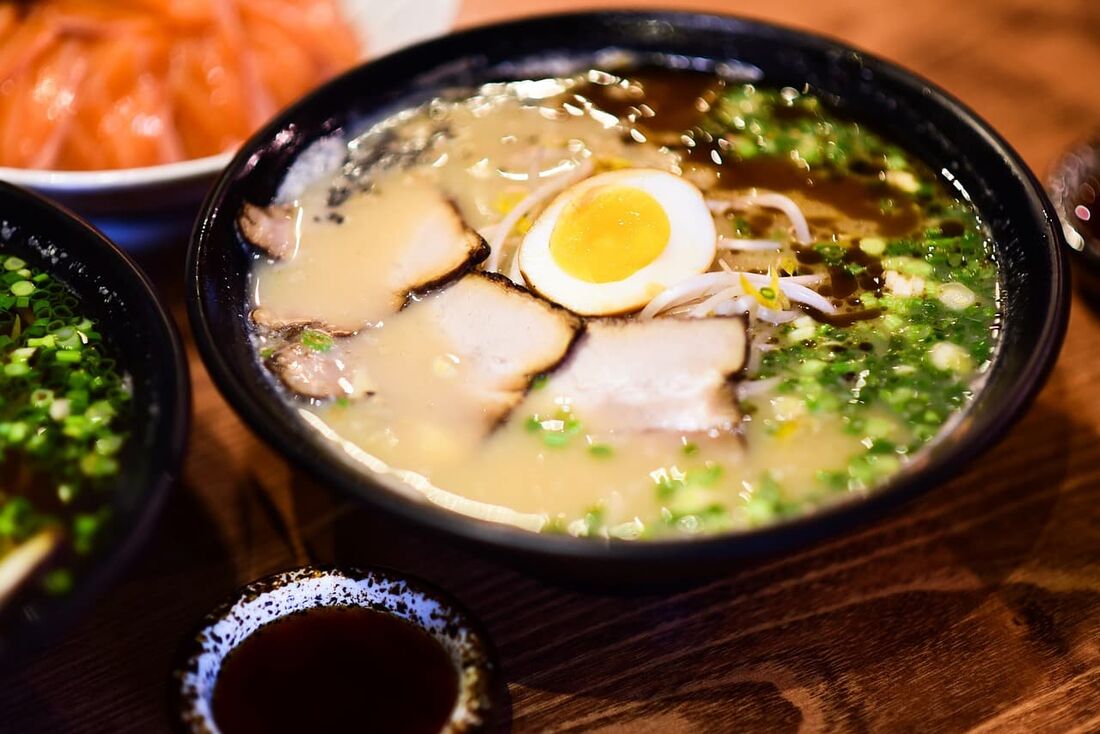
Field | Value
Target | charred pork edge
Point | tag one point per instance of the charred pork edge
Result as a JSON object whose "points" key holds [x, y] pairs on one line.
{"points": [[729, 383], [623, 313], [573, 321], [270, 364], [742, 372], [293, 328], [477, 252], [579, 331], [731, 377]]}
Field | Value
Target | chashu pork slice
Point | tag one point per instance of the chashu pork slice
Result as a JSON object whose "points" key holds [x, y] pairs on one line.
{"points": [[459, 358], [664, 374], [313, 373], [358, 267], [269, 229], [500, 336]]}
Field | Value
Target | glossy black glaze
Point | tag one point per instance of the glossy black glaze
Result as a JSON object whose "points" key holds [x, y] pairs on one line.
{"points": [[909, 109], [114, 292]]}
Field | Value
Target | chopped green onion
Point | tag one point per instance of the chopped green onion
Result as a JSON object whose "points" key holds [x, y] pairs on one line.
{"points": [[41, 398], [706, 476], [108, 445], [65, 493], [60, 394], [316, 340], [94, 465], [45, 341], [17, 432], [58, 581], [554, 439]]}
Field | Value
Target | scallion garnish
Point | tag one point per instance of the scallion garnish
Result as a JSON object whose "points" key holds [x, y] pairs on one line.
{"points": [[61, 396]]}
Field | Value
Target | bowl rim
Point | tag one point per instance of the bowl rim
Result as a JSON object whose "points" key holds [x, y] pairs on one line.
{"points": [[175, 404], [363, 487], [62, 182]]}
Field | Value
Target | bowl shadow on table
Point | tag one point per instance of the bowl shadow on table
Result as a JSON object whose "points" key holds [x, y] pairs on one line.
{"points": [[958, 577]]}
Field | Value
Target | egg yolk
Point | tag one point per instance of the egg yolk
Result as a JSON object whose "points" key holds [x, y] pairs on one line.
{"points": [[609, 234]]}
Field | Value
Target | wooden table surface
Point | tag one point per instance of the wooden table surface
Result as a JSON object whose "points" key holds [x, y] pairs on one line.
{"points": [[977, 606]]}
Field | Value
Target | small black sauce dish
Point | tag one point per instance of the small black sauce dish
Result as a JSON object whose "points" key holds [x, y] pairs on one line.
{"points": [[306, 601], [944, 133], [115, 293]]}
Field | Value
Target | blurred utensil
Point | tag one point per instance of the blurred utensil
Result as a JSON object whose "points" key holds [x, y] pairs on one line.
{"points": [[26, 560], [1074, 188]]}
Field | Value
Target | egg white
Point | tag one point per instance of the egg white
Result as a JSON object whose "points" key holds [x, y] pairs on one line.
{"points": [[690, 249]]}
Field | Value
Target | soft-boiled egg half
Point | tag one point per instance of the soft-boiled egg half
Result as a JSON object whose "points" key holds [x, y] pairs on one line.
{"points": [[609, 244]]}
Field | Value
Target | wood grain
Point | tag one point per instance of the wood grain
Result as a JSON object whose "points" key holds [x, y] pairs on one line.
{"points": [[976, 607]]}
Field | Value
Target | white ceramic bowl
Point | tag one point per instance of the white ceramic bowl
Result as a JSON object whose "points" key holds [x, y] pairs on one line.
{"points": [[141, 207]]}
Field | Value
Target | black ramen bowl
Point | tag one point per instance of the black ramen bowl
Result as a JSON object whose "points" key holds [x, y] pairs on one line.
{"points": [[936, 127], [115, 293]]}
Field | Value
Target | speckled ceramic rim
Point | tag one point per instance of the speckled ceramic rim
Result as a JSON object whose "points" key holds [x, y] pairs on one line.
{"points": [[275, 597]]}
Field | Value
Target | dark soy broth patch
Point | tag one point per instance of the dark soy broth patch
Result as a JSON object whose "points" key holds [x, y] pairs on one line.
{"points": [[655, 100], [689, 112], [336, 669]]}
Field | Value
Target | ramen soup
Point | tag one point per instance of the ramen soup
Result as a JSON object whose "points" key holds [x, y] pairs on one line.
{"points": [[637, 306]]}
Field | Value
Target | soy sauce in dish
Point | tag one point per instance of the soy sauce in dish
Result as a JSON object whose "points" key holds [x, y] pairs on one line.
{"points": [[336, 669]]}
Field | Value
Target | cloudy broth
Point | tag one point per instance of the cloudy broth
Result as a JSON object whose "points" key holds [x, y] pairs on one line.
{"points": [[411, 303]]}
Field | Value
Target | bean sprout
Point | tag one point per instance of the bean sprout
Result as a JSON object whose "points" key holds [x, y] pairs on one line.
{"points": [[776, 316], [739, 245], [697, 286], [514, 273], [751, 388], [529, 202], [768, 200], [727, 294]]}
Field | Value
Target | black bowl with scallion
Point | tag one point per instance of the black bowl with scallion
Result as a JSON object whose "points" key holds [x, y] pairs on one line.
{"points": [[971, 188], [93, 414]]}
